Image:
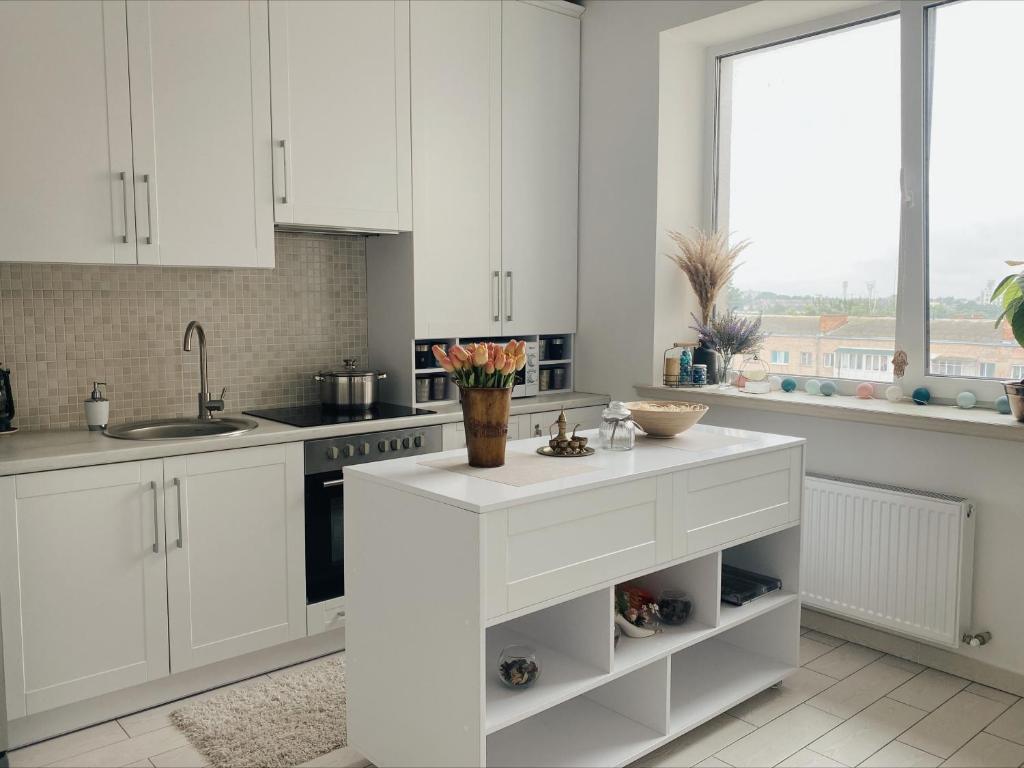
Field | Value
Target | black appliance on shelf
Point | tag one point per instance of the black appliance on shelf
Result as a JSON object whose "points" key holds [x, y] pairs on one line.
{"points": [[6, 401]]}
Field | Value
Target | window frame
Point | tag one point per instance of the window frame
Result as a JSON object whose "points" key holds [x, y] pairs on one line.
{"points": [[912, 320]]}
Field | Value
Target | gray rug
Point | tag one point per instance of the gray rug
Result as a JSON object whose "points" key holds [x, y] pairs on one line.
{"points": [[275, 723]]}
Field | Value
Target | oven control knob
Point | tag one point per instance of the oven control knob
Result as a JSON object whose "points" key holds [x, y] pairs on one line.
{"points": [[350, 451], [394, 444], [406, 442], [418, 441], [382, 446], [333, 453], [364, 448]]}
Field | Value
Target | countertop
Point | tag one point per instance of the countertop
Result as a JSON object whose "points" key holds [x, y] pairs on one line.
{"points": [[25, 452], [697, 446]]}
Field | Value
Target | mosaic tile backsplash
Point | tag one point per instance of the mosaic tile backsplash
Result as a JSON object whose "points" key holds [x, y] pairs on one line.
{"points": [[268, 331]]}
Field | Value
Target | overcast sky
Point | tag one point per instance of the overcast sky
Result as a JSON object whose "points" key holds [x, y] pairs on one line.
{"points": [[815, 156]]}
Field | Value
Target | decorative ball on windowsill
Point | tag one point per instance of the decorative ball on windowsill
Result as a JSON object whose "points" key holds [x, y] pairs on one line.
{"points": [[966, 400], [827, 388], [921, 396], [866, 390], [894, 393], [812, 387], [775, 382], [1002, 404], [789, 385]]}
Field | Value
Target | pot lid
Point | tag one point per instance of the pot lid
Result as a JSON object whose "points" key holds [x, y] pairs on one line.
{"points": [[351, 369]]}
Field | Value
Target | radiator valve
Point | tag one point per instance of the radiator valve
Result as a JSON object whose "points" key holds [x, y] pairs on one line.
{"points": [[978, 640]]}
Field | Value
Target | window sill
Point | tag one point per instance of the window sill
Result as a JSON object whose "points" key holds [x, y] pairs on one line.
{"points": [[976, 422]]}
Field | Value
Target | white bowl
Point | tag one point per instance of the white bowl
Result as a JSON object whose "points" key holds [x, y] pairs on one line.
{"points": [[666, 418]]}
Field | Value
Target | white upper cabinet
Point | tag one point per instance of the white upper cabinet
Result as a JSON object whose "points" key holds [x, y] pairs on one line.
{"points": [[340, 76], [540, 77], [82, 582], [235, 552], [66, 164], [200, 93], [456, 123]]}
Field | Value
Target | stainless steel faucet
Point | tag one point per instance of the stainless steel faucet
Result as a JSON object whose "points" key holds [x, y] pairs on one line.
{"points": [[206, 405]]}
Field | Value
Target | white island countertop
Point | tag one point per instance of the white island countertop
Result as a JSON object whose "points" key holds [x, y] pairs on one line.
{"points": [[698, 446], [24, 452]]}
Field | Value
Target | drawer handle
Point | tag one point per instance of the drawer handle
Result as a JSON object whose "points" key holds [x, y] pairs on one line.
{"points": [[177, 486], [148, 181], [124, 204], [284, 165], [156, 517]]}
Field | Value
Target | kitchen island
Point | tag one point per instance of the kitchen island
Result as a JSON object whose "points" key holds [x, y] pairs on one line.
{"points": [[446, 567]]}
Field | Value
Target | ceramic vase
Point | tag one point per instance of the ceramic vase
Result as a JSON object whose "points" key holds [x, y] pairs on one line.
{"points": [[485, 416]]}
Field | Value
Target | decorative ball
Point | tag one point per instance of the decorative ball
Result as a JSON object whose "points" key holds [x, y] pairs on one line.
{"points": [[894, 394], [827, 388], [789, 385], [866, 391], [966, 400], [1003, 404], [812, 387], [921, 395], [776, 383]]}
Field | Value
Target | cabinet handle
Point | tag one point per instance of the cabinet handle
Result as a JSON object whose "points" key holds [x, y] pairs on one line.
{"points": [[147, 180], [156, 517], [508, 306], [284, 163], [333, 483], [124, 204], [496, 295], [177, 486]]}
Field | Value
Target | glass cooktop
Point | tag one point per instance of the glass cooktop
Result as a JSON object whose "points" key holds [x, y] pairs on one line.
{"points": [[320, 415]]}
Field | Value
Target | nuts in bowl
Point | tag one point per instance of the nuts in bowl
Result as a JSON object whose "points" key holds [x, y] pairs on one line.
{"points": [[666, 418]]}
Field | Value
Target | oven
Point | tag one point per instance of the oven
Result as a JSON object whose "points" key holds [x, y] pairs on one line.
{"points": [[325, 462]]}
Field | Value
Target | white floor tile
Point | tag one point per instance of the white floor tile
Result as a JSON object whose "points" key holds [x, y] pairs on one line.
{"points": [[712, 762], [929, 690], [62, 747], [993, 693], [158, 717], [812, 649], [129, 751], [905, 664], [844, 661], [346, 757], [866, 732], [182, 757], [821, 637], [953, 724], [807, 758], [779, 739], [699, 744], [794, 690], [896, 754], [865, 686], [1010, 724], [987, 751]]}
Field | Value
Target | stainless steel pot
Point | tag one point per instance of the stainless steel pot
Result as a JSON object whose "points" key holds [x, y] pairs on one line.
{"points": [[350, 388]]}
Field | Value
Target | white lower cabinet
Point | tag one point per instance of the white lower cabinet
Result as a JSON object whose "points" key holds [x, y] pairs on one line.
{"points": [[103, 588]]}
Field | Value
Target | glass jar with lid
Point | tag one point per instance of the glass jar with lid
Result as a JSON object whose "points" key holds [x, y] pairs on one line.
{"points": [[617, 432]]}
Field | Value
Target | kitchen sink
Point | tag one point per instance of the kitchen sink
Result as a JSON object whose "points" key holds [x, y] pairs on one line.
{"points": [[176, 429]]}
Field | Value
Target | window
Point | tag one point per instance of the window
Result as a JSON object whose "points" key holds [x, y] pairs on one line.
{"points": [[780, 358], [809, 155], [1017, 372], [822, 152]]}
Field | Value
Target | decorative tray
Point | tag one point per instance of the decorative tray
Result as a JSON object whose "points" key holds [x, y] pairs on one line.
{"points": [[547, 451]]}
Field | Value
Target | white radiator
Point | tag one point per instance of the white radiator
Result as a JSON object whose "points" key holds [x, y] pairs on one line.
{"points": [[897, 559]]}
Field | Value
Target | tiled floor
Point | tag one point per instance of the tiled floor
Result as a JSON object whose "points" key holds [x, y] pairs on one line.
{"points": [[848, 705]]}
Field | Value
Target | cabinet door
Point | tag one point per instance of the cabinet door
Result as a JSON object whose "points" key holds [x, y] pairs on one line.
{"points": [[540, 77], [82, 582], [235, 562], [341, 113], [200, 93], [456, 130], [539, 424], [66, 164]]}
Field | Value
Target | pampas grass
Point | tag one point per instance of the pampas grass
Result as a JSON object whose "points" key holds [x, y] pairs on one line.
{"points": [[708, 261]]}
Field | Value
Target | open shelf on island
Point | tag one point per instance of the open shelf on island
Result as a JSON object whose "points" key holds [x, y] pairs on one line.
{"points": [[737, 614]]}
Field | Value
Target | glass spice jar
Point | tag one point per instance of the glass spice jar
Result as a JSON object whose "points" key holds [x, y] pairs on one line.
{"points": [[617, 431], [518, 666]]}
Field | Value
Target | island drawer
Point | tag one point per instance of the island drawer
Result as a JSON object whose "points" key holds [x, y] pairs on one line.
{"points": [[559, 545], [716, 504]]}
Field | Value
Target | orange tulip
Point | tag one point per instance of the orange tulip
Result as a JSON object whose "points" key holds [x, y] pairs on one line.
{"points": [[480, 355], [520, 348], [510, 365], [520, 362], [499, 359], [489, 368], [445, 363], [458, 353], [510, 348], [439, 352]]}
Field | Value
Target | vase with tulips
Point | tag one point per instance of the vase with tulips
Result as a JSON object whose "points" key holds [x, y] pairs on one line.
{"points": [[484, 373]]}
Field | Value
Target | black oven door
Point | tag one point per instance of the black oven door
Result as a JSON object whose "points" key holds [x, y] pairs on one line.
{"points": [[325, 537]]}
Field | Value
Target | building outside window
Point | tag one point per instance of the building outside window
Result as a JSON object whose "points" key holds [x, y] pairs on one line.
{"points": [[813, 134], [780, 358]]}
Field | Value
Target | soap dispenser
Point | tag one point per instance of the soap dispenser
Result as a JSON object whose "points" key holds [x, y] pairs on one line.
{"points": [[97, 408]]}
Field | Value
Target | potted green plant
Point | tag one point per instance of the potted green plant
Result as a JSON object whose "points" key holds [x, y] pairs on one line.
{"points": [[1010, 292]]}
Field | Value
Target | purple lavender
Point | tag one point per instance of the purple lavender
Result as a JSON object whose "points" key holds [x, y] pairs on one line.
{"points": [[731, 333]]}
